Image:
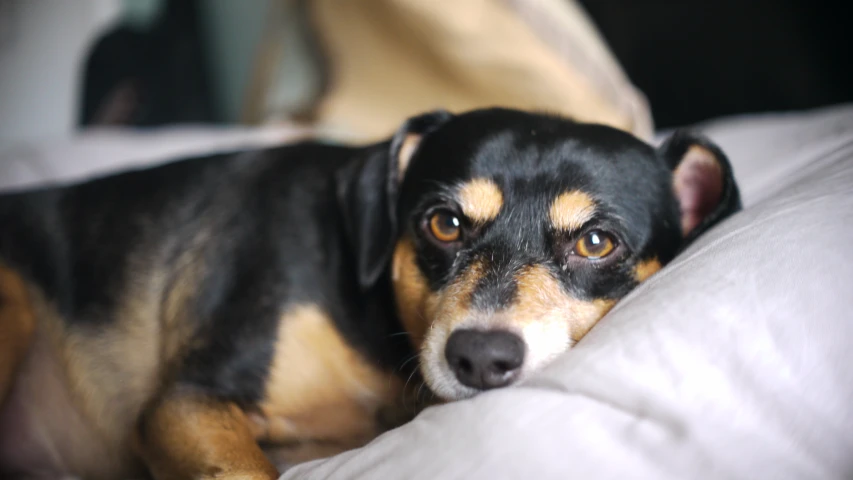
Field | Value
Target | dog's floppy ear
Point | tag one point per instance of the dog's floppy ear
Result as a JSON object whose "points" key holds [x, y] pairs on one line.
{"points": [[703, 182], [367, 189]]}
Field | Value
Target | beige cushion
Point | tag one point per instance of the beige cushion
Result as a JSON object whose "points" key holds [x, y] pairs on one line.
{"points": [[391, 59]]}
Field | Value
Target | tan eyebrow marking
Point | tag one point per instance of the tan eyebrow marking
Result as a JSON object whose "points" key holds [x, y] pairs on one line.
{"points": [[481, 200], [570, 210]]}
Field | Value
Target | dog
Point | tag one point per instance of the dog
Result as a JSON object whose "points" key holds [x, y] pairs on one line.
{"points": [[227, 315]]}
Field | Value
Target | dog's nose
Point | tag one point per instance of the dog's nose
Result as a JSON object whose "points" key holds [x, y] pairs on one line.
{"points": [[485, 359]]}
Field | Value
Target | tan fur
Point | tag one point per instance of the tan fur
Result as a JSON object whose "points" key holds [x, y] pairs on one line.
{"points": [[415, 301], [454, 300], [481, 200], [646, 269], [407, 151], [127, 362], [189, 436], [320, 389], [81, 395], [570, 210], [111, 371], [17, 325], [540, 298], [176, 318]]}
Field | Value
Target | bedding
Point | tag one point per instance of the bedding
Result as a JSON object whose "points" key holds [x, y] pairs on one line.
{"points": [[732, 362], [99, 151]]}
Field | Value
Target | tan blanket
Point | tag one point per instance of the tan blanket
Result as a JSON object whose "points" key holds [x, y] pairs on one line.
{"points": [[377, 62]]}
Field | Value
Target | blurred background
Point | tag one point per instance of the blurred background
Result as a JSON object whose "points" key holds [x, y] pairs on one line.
{"points": [[354, 69]]}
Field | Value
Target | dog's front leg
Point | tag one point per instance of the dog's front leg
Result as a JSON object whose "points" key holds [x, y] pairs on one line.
{"points": [[17, 326], [186, 435]]}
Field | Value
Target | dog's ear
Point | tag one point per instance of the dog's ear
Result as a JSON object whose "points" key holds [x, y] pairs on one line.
{"points": [[367, 190], [703, 182]]}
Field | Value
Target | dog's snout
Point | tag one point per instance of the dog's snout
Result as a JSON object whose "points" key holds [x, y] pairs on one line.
{"points": [[485, 359]]}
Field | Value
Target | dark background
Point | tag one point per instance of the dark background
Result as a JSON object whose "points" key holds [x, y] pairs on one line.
{"points": [[696, 59]]}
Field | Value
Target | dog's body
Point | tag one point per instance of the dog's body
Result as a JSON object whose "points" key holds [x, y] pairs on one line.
{"points": [[174, 319], [195, 273]]}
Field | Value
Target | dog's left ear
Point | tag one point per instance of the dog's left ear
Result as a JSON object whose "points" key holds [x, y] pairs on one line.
{"points": [[367, 190], [703, 182]]}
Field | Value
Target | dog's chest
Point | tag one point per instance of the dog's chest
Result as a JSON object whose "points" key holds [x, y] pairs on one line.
{"points": [[320, 391]]}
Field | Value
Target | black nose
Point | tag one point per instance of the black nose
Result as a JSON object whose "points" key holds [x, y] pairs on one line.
{"points": [[484, 359]]}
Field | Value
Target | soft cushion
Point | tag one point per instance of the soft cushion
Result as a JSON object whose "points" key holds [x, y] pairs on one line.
{"points": [[102, 151], [731, 362], [386, 60]]}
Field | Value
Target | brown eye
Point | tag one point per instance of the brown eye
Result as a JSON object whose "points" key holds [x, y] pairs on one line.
{"points": [[594, 244], [445, 226]]}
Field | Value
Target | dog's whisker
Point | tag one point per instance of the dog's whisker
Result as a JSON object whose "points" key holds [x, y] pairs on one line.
{"points": [[420, 388], [415, 401], [411, 375], [406, 362]]}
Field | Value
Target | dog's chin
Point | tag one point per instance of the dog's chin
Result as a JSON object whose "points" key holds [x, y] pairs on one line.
{"points": [[444, 384]]}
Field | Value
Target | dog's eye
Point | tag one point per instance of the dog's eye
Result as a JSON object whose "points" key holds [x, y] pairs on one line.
{"points": [[594, 244], [445, 226]]}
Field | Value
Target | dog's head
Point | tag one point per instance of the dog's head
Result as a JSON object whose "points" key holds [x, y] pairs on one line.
{"points": [[508, 235]]}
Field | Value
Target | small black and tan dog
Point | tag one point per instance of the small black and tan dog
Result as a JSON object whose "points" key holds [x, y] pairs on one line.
{"points": [[214, 316]]}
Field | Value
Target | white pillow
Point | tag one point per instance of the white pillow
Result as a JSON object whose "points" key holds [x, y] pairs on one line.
{"points": [[101, 151]]}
